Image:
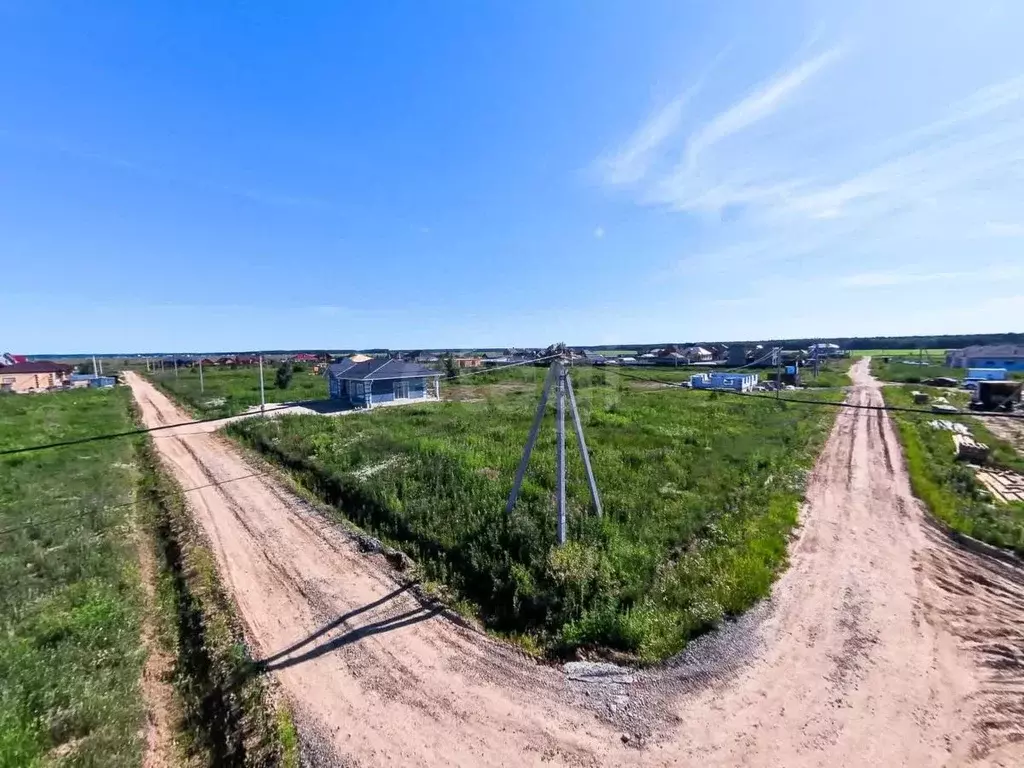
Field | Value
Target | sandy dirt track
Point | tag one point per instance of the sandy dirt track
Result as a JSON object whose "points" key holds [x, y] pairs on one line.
{"points": [[883, 644]]}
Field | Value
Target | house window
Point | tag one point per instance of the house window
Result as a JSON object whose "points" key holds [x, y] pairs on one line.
{"points": [[7, 380], [401, 389]]}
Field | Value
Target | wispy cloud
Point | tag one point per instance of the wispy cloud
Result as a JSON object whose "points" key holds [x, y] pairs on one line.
{"points": [[630, 164], [821, 168], [760, 104], [885, 279], [599, 233]]}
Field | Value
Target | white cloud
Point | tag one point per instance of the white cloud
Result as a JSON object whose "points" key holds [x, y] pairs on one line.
{"points": [[629, 165], [599, 233], [757, 106]]}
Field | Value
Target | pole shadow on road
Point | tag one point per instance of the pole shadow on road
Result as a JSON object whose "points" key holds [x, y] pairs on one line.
{"points": [[278, 660]]}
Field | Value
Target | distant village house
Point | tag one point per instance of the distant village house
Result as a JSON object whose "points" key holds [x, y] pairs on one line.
{"points": [[38, 376], [380, 380]]}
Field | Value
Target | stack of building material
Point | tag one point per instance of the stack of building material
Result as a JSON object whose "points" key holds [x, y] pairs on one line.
{"points": [[969, 449], [949, 426], [1004, 485]]}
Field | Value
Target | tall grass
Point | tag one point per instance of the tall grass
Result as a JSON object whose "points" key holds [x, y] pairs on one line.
{"points": [[70, 652], [950, 489], [909, 373], [700, 493]]}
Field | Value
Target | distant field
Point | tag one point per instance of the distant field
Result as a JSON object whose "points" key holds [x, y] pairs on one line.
{"points": [[700, 491], [227, 392], [910, 354], [911, 374], [70, 653]]}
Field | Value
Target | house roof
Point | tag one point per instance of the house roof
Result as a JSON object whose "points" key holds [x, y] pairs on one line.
{"points": [[380, 368], [336, 369], [39, 366], [993, 350], [10, 359]]}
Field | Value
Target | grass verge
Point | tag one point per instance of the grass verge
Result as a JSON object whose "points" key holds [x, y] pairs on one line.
{"points": [[229, 716], [949, 488]]}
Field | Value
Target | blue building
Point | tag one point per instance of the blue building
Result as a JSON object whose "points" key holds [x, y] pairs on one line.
{"points": [[1008, 356], [380, 380], [92, 380]]}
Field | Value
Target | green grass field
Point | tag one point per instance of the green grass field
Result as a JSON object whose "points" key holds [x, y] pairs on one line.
{"points": [[897, 370], [949, 488], [227, 391], [910, 354], [700, 491], [70, 653]]}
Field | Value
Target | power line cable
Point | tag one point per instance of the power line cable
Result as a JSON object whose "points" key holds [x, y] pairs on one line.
{"points": [[82, 513], [502, 367], [834, 404], [147, 430]]}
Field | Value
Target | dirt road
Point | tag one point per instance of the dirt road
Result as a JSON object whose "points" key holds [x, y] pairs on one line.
{"points": [[883, 644]]}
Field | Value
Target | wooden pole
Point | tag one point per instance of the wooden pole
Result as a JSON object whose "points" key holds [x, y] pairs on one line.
{"points": [[202, 389]]}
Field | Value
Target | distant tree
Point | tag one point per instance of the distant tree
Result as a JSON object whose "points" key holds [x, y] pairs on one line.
{"points": [[448, 366], [284, 376]]}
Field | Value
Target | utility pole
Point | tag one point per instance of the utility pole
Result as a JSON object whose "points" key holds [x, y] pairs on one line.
{"points": [[101, 367], [559, 376], [95, 370], [175, 366], [560, 451], [263, 401], [202, 389], [778, 371]]}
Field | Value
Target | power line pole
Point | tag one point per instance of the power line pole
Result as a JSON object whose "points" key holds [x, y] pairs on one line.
{"points": [[778, 370], [175, 366], [263, 401], [560, 451], [559, 376], [95, 370], [202, 389]]}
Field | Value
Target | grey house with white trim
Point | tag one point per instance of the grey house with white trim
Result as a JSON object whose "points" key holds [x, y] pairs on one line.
{"points": [[381, 381]]}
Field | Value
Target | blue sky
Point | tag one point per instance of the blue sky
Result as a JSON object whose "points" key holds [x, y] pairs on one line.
{"points": [[204, 176]]}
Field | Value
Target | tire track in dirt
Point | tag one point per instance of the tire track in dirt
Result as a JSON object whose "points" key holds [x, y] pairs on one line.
{"points": [[883, 644]]}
